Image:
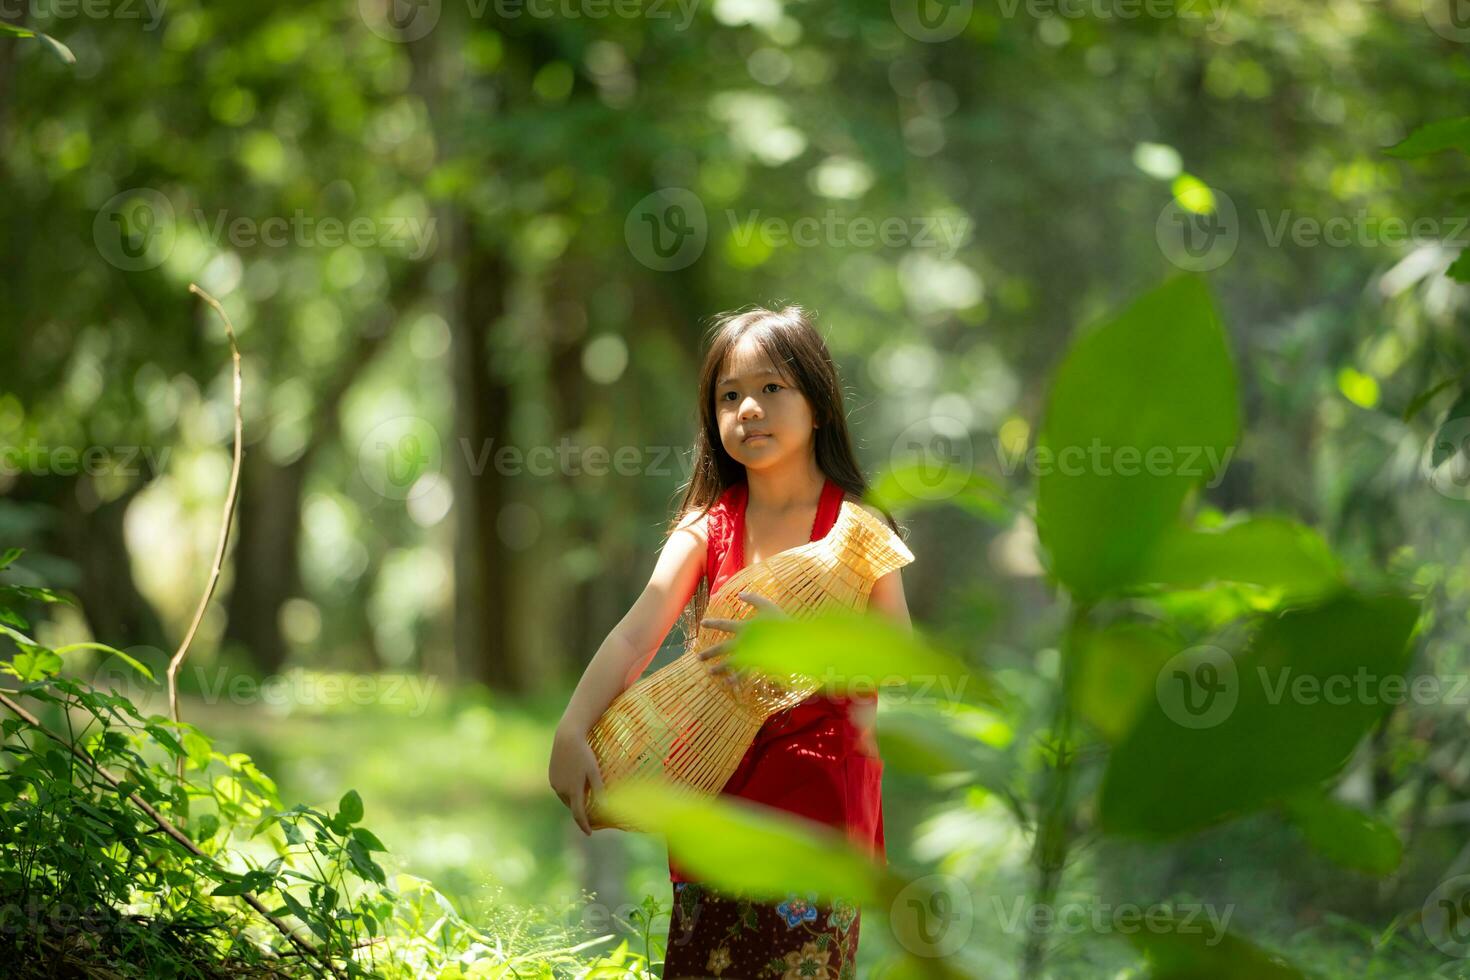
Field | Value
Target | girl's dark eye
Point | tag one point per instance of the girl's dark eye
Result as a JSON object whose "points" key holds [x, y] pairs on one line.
{"points": [[727, 396]]}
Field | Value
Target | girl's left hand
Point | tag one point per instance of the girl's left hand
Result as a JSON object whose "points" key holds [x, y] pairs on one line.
{"points": [[766, 608]]}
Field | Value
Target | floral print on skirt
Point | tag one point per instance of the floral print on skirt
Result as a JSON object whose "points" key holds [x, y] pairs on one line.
{"points": [[716, 935]]}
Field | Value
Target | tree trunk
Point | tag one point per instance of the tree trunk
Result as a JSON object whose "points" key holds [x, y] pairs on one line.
{"points": [[484, 567]]}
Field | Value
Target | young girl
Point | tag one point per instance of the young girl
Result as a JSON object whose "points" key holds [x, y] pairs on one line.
{"points": [[772, 465]]}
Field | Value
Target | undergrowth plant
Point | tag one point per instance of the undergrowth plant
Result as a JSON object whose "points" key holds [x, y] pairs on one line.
{"points": [[131, 847]]}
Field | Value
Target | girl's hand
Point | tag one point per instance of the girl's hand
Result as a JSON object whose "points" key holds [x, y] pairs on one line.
{"points": [[764, 607], [573, 768]]}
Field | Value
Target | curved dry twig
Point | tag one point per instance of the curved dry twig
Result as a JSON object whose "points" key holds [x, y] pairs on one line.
{"points": [[224, 532]]}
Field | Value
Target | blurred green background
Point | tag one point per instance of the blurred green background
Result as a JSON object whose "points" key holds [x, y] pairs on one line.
{"points": [[470, 248]]}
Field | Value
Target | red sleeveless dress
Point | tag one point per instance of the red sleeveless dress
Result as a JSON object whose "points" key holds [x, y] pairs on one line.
{"points": [[807, 760]]}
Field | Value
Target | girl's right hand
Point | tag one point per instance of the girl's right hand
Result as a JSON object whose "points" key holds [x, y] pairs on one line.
{"points": [[573, 768]]}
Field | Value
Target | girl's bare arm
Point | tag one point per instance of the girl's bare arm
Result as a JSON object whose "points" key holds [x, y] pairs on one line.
{"points": [[887, 598], [632, 643]]}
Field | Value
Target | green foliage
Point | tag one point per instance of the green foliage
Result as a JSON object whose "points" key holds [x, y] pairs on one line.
{"points": [[1296, 716], [1176, 951], [1272, 552], [856, 653], [1346, 835], [92, 876], [1444, 134], [716, 839], [1141, 410]]}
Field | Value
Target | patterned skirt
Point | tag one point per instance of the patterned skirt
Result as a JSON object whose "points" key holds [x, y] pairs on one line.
{"points": [[716, 935]]}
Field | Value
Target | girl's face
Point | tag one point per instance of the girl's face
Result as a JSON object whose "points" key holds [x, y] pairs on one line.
{"points": [[763, 418]]}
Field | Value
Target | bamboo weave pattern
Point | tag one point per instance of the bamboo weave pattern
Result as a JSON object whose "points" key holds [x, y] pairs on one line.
{"points": [[682, 725]]}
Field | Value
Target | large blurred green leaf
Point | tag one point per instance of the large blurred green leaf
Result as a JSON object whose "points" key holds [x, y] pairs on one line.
{"points": [[1187, 947], [1444, 134], [744, 848], [1115, 671], [1168, 777], [1142, 409], [1348, 836], [1273, 552], [857, 653], [913, 486]]}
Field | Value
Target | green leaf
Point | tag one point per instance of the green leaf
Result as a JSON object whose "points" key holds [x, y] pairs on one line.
{"points": [[923, 746], [1115, 669], [8, 557], [1273, 552], [349, 810], [300, 911], [1459, 269], [234, 886], [913, 486], [167, 740], [56, 47], [1345, 835], [21, 639], [61, 51], [367, 839], [34, 592], [1143, 408], [1416, 405], [855, 653], [198, 748], [33, 663], [129, 660], [1444, 134], [715, 838], [1229, 735], [1190, 947]]}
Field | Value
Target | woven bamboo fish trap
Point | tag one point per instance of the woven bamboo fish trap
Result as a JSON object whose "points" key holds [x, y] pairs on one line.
{"points": [[684, 726]]}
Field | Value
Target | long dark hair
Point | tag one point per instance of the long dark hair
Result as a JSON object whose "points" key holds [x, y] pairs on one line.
{"points": [[789, 337]]}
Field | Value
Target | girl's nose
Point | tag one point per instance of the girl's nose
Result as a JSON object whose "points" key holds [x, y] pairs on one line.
{"points": [[749, 408]]}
